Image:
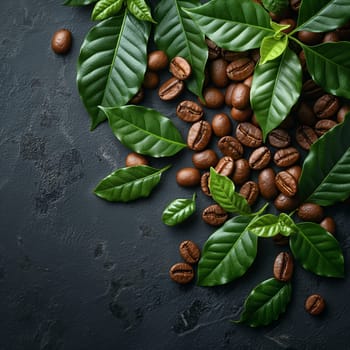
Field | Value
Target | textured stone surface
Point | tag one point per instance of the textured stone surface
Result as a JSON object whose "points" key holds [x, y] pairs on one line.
{"points": [[80, 273]]}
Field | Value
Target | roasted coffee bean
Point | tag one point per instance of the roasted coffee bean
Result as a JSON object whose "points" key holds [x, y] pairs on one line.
{"points": [[138, 98], [291, 22], [295, 171], [305, 136], [310, 38], [286, 183], [283, 267], [61, 41], [249, 135], [181, 273], [344, 32], [260, 158], [302, 60], [331, 37], [189, 251], [241, 171], [205, 183], [255, 55], [157, 60], [324, 125], [180, 68], [250, 191], [233, 55], [266, 183], [225, 166], [241, 96], [328, 224], [240, 69], [279, 138], [326, 106], [228, 94], [286, 157], [295, 4], [230, 146], [150, 80], [311, 90], [286, 204], [217, 72], [205, 159], [311, 212], [189, 111], [343, 111], [199, 135], [171, 89], [221, 125], [241, 115], [306, 115], [315, 304], [254, 121], [288, 123], [214, 51], [214, 215], [133, 159], [213, 97], [249, 81], [280, 240], [188, 177]]}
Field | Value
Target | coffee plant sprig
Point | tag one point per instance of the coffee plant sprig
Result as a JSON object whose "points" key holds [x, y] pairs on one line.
{"points": [[179, 210]]}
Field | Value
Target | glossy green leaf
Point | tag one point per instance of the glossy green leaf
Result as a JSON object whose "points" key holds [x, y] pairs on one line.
{"points": [[275, 89], [223, 192], [275, 6], [79, 2], [228, 253], [278, 28], [287, 225], [329, 66], [237, 25], [106, 8], [323, 15], [317, 250], [130, 183], [178, 35], [179, 210], [265, 226], [140, 10], [325, 177], [112, 63], [266, 302], [144, 130], [272, 48]]}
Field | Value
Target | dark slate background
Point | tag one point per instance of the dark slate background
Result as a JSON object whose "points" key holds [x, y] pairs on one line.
{"points": [[77, 272]]}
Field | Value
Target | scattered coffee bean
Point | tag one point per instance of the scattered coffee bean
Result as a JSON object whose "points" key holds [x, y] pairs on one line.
{"points": [[249, 135], [221, 125], [157, 60], [189, 111], [230, 146], [343, 111], [286, 183], [286, 157], [138, 98], [295, 4], [291, 22], [182, 273], [214, 215], [171, 89], [61, 41], [233, 55], [279, 138], [241, 171], [305, 136], [214, 51], [205, 159], [285, 203], [241, 96], [180, 68], [259, 158], [331, 37], [205, 184], [295, 171], [150, 80], [280, 240], [249, 81], [213, 97], [188, 177], [217, 72], [311, 212], [310, 38], [314, 304], [189, 251], [326, 106], [199, 135], [241, 115], [306, 114], [240, 69], [283, 267], [250, 191], [133, 159], [266, 183], [225, 166], [324, 125], [328, 224], [228, 94], [311, 90]]}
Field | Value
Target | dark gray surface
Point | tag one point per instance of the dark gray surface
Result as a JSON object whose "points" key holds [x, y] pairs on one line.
{"points": [[80, 273]]}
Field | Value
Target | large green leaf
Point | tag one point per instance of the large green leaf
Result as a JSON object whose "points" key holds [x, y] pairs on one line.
{"points": [[325, 177], [130, 183], [317, 250], [112, 63], [140, 10], [323, 15], [329, 66], [178, 35], [275, 6], [144, 130], [106, 8], [275, 89], [266, 302], [79, 2], [237, 25], [179, 210], [228, 253]]}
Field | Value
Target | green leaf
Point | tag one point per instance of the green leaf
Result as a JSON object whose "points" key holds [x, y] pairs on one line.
{"points": [[287, 225], [228, 253], [178, 35], [179, 210], [317, 250], [265, 226], [79, 2], [112, 63], [130, 183], [275, 6], [266, 302], [323, 15], [144, 130], [278, 27], [329, 66], [223, 192], [140, 10], [237, 25], [275, 89], [325, 177], [106, 8], [272, 48]]}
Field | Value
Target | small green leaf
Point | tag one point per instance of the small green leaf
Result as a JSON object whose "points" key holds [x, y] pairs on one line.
{"points": [[272, 48], [278, 28], [144, 130], [265, 226], [106, 8], [275, 6], [130, 183], [266, 302], [179, 210], [287, 225], [228, 253], [317, 250], [223, 192], [79, 2], [140, 10]]}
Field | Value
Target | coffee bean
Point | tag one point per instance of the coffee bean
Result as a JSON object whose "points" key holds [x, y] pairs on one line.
{"points": [[283, 267], [233, 55], [221, 125], [138, 98], [295, 4], [133, 159], [315, 304], [286, 204], [181, 273], [324, 125], [230, 146], [259, 158], [189, 111], [240, 69], [280, 240], [214, 51], [344, 32], [331, 37], [171, 89], [225, 166], [241, 115], [249, 81], [302, 59], [228, 94], [213, 97], [291, 22], [217, 72], [150, 80], [288, 123], [61, 41], [157, 60], [250, 191], [241, 171], [311, 90], [286, 157], [255, 55], [310, 38], [279, 138], [343, 111], [310, 212], [266, 183], [249, 135], [189, 251], [305, 136], [306, 114], [295, 171], [326, 106], [180, 68], [286, 183], [214, 215], [328, 224], [188, 177], [241, 96], [205, 159], [205, 183], [199, 135]]}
